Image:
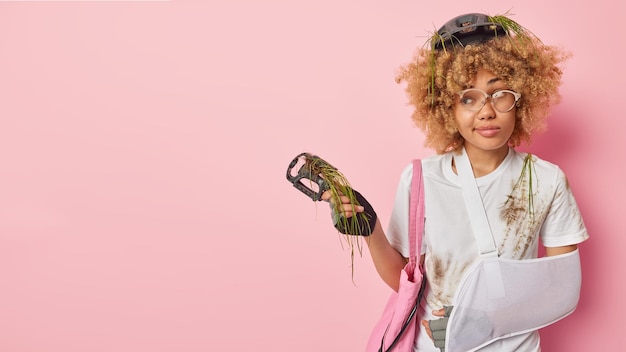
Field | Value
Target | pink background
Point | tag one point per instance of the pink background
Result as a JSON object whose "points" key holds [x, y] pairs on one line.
{"points": [[143, 149]]}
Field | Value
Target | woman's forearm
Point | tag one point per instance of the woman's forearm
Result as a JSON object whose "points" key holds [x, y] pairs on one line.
{"points": [[387, 260]]}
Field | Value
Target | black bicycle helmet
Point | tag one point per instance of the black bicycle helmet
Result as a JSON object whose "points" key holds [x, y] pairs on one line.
{"points": [[466, 29]]}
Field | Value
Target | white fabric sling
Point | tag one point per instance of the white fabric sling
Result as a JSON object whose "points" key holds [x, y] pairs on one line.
{"points": [[500, 298]]}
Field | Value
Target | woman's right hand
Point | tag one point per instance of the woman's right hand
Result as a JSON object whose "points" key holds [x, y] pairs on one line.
{"points": [[387, 260], [342, 210], [345, 207]]}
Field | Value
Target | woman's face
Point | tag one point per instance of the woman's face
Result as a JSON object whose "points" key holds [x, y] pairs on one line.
{"points": [[487, 128]]}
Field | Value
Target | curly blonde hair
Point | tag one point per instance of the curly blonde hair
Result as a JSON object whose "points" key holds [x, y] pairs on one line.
{"points": [[435, 76]]}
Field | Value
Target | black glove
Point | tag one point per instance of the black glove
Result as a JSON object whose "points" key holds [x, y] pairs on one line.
{"points": [[361, 224], [438, 328]]}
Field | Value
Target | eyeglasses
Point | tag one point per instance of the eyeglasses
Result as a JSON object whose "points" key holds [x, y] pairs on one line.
{"points": [[474, 99]]}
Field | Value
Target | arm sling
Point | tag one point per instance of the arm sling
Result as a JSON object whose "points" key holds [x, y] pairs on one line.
{"points": [[499, 297]]}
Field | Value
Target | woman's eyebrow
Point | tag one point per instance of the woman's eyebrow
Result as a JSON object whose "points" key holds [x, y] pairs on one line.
{"points": [[491, 81]]}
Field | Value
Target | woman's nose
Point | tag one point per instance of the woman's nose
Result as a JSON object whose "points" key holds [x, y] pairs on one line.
{"points": [[487, 112]]}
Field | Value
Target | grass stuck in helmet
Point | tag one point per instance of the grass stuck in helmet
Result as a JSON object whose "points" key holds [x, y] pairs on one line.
{"points": [[467, 29]]}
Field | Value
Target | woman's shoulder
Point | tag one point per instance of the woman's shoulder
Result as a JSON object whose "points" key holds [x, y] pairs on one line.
{"points": [[537, 161], [432, 166], [541, 168], [436, 161], [438, 168]]}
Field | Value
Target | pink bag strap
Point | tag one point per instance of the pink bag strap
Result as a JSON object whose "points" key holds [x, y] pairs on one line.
{"points": [[416, 211]]}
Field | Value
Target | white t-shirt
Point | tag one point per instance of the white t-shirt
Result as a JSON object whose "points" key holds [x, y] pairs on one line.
{"points": [[518, 219]]}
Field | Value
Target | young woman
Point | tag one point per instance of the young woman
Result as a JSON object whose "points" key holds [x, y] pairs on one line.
{"points": [[480, 87]]}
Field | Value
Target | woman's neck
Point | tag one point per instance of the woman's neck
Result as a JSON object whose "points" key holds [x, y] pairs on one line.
{"points": [[485, 162]]}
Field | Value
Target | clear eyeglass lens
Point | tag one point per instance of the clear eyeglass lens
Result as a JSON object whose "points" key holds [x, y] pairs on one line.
{"points": [[475, 99]]}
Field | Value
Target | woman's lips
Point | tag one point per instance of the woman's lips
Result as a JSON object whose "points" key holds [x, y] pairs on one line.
{"points": [[487, 131]]}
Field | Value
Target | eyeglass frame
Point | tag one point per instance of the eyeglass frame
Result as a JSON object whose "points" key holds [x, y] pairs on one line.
{"points": [[486, 95]]}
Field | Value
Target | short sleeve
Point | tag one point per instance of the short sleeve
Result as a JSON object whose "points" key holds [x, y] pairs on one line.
{"points": [[564, 224]]}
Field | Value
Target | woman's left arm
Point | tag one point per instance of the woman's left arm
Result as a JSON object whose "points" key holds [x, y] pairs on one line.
{"points": [[550, 251]]}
